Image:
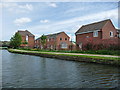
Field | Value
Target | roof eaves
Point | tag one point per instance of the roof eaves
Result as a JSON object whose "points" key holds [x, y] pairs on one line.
{"points": [[86, 32]]}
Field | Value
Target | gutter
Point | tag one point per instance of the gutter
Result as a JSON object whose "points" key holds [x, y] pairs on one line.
{"points": [[86, 32]]}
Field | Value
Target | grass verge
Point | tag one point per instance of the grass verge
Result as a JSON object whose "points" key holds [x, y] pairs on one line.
{"points": [[98, 52], [50, 53]]}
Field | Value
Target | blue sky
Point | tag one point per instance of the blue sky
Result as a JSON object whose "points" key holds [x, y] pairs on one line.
{"points": [[52, 17]]}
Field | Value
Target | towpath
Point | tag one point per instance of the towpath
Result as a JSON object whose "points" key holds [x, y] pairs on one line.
{"points": [[71, 53]]}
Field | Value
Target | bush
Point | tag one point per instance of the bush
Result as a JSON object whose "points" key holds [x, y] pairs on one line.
{"points": [[101, 46], [88, 46], [114, 47]]}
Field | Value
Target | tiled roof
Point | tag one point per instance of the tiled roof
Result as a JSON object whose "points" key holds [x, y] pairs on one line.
{"points": [[92, 27], [24, 33], [51, 35]]}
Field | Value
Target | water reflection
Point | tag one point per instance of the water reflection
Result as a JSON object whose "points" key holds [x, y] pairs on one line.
{"points": [[38, 72]]}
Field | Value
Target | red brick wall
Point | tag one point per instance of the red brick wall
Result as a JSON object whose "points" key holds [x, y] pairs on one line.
{"points": [[37, 43], [82, 38], [30, 41], [23, 40], [63, 36], [103, 36], [55, 43], [104, 43], [51, 42], [106, 30]]}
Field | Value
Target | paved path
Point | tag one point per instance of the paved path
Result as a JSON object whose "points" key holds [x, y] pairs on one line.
{"points": [[73, 53], [82, 54]]}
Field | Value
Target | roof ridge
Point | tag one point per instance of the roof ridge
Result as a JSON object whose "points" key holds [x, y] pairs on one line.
{"points": [[54, 33], [97, 22], [25, 32]]}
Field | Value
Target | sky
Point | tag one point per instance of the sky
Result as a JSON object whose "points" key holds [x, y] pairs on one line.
{"points": [[53, 17]]}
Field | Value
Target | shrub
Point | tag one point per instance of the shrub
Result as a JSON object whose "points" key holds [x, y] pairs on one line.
{"points": [[88, 46], [114, 47], [101, 46]]}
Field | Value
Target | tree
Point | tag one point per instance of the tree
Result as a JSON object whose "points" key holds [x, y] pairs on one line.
{"points": [[16, 40], [71, 44], [25, 42], [43, 40]]}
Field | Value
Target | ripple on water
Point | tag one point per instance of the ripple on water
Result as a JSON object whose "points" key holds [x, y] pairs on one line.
{"points": [[36, 72]]}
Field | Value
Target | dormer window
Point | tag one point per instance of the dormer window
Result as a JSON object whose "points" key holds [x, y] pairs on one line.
{"points": [[95, 34], [111, 34]]}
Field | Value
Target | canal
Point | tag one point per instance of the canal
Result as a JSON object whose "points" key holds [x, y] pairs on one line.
{"points": [[25, 71]]}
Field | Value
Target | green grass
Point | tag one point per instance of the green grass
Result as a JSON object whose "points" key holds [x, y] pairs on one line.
{"points": [[85, 56], [101, 52], [3, 47]]}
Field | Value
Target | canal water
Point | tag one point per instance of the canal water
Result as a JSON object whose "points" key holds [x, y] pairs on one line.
{"points": [[25, 71]]}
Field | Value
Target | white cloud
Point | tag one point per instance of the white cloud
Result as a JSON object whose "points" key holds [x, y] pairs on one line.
{"points": [[53, 5], [17, 8], [60, 0], [26, 6], [0, 5], [112, 14], [44, 21], [70, 26], [8, 5], [22, 21], [71, 11]]}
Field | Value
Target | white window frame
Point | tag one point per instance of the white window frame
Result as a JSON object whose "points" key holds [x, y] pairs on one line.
{"points": [[27, 38], [64, 45], [111, 34], [87, 36], [95, 34]]}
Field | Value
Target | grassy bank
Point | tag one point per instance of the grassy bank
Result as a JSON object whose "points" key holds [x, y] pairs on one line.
{"points": [[68, 56], [3, 48], [50, 53], [101, 52]]}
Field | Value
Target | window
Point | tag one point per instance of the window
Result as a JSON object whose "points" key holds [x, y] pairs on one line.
{"points": [[48, 40], [95, 34], [65, 38], [111, 34], [87, 36], [64, 45], [27, 38], [60, 38], [51, 47]]}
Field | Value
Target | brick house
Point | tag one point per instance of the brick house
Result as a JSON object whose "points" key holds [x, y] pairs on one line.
{"points": [[27, 37], [118, 33], [99, 32], [57, 41]]}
